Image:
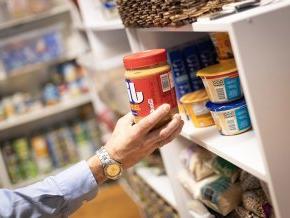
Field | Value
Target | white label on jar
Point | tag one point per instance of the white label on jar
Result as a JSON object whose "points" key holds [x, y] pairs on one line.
{"points": [[200, 108]]}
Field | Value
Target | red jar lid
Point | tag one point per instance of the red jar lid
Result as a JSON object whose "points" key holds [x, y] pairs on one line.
{"points": [[145, 59]]}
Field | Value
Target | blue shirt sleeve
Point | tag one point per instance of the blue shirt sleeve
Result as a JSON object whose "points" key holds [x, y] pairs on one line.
{"points": [[55, 196]]}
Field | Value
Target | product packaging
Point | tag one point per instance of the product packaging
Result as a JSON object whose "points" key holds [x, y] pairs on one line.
{"points": [[149, 83], [231, 118], [221, 195], [222, 82], [196, 161], [194, 105]]}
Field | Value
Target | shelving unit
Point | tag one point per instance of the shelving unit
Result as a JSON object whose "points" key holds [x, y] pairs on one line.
{"points": [[241, 150], [38, 178], [63, 12], [55, 10], [259, 38], [45, 112]]}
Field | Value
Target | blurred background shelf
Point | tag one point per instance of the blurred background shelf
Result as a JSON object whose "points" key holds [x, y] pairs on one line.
{"points": [[55, 10], [39, 177], [45, 112], [105, 26]]}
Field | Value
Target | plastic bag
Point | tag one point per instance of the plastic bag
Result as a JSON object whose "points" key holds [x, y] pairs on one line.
{"points": [[196, 160], [221, 195]]}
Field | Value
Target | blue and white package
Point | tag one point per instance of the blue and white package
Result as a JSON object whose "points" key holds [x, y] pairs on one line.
{"points": [[180, 75], [192, 62], [207, 52], [231, 118], [30, 48]]}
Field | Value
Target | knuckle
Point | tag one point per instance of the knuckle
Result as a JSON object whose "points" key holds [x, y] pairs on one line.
{"points": [[163, 135]]}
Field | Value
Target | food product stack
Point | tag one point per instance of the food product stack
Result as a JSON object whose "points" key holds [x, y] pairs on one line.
{"points": [[68, 80], [185, 61], [218, 99], [40, 153], [222, 82], [160, 13], [31, 48], [221, 187]]}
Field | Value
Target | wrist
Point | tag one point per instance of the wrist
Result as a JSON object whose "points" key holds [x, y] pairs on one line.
{"points": [[96, 167]]}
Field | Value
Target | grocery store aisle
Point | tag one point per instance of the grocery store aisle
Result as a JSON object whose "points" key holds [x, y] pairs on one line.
{"points": [[111, 202]]}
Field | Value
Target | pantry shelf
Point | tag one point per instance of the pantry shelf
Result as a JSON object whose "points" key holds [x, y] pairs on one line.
{"points": [[39, 66], [225, 24], [59, 9], [160, 184], [45, 112], [241, 150]]}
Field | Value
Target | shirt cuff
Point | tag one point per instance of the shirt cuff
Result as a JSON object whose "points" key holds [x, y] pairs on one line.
{"points": [[77, 184]]}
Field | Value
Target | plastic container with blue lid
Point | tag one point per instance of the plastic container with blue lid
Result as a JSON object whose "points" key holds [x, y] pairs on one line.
{"points": [[231, 118]]}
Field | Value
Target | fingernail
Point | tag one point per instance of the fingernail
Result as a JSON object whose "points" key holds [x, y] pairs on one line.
{"points": [[166, 107]]}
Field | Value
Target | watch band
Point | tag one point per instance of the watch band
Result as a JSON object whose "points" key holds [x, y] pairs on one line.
{"points": [[104, 156]]}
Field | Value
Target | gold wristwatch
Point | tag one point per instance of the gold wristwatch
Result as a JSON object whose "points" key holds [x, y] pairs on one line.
{"points": [[112, 168]]}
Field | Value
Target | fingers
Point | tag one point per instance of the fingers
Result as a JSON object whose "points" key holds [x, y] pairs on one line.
{"points": [[167, 140], [147, 123], [127, 119], [165, 131], [172, 136]]}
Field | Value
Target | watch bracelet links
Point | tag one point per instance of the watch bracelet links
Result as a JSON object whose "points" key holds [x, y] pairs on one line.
{"points": [[104, 156]]}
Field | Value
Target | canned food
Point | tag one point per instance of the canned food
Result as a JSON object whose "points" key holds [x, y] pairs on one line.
{"points": [[223, 45], [194, 104], [222, 82], [231, 118], [149, 83]]}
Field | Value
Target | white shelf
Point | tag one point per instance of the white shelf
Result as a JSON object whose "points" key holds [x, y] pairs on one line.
{"points": [[39, 177], [45, 112], [224, 24], [105, 26], [40, 66], [241, 150], [160, 184], [60, 9]]}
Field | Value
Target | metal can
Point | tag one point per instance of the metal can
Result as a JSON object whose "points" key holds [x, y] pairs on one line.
{"points": [[149, 83]]}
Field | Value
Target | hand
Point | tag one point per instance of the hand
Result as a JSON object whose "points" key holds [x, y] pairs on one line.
{"points": [[129, 144]]}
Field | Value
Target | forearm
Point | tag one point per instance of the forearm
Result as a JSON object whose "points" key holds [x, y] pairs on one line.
{"points": [[97, 170], [56, 196]]}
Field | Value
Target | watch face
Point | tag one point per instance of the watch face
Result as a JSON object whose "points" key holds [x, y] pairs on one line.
{"points": [[113, 170]]}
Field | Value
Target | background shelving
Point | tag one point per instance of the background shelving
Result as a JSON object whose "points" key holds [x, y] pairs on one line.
{"points": [[45, 112]]}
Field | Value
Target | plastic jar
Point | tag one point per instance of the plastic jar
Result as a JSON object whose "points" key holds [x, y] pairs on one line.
{"points": [[222, 82], [194, 105], [149, 83], [231, 118]]}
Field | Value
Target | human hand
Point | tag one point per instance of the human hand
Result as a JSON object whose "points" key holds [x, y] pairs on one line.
{"points": [[129, 144]]}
